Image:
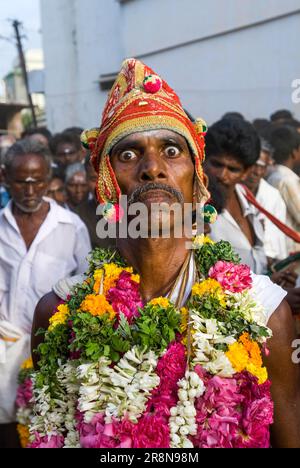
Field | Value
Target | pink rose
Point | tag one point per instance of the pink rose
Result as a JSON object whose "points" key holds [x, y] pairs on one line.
{"points": [[233, 278]]}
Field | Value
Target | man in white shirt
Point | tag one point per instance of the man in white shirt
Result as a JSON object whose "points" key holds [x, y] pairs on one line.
{"points": [[232, 148], [286, 143], [275, 241], [40, 242]]}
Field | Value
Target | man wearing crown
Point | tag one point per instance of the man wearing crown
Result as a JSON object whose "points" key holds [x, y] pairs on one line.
{"points": [[194, 324]]}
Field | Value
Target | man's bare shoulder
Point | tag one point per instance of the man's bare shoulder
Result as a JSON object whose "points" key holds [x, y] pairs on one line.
{"points": [[45, 308], [285, 377]]}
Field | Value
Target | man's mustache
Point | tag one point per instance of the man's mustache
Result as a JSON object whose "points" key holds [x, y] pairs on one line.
{"points": [[136, 195]]}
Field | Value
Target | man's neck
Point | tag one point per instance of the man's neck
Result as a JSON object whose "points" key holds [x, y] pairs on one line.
{"points": [[30, 223], [158, 262], [288, 163]]}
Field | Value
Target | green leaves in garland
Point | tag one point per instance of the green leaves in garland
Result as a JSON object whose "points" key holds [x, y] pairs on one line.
{"points": [[156, 327], [209, 254], [99, 257]]}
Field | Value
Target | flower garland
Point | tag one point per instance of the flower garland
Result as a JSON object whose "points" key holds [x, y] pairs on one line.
{"points": [[115, 372]]}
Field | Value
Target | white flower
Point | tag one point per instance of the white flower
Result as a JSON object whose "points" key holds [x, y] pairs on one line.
{"points": [[186, 444], [175, 441], [219, 365], [192, 393], [185, 425], [119, 390], [174, 427], [190, 411], [195, 380], [179, 421], [184, 430], [183, 395]]}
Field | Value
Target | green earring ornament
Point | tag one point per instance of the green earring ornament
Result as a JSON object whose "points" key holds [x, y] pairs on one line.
{"points": [[210, 214]]}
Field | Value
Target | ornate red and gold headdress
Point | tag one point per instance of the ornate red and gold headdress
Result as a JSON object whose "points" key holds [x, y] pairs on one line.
{"points": [[140, 100]]}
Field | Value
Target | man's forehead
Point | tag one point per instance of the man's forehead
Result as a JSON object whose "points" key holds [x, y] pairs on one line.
{"points": [[159, 134], [228, 159], [78, 177], [30, 161]]}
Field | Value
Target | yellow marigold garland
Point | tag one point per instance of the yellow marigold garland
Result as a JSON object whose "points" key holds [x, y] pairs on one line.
{"points": [[246, 355], [212, 287], [24, 434], [160, 301], [28, 364], [60, 317]]}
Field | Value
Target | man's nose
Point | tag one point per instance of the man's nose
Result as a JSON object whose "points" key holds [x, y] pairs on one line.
{"points": [[222, 174], [29, 189], [152, 167]]}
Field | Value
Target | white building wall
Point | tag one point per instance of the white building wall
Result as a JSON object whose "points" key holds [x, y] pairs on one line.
{"points": [[233, 55], [81, 41]]}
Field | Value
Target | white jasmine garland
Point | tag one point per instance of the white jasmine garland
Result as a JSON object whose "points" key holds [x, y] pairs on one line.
{"points": [[67, 377], [206, 335], [24, 416], [123, 389], [50, 413], [250, 309], [182, 421]]}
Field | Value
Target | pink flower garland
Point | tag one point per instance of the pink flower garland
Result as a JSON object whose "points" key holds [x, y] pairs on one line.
{"points": [[24, 393], [125, 297], [233, 278], [233, 413], [53, 442]]}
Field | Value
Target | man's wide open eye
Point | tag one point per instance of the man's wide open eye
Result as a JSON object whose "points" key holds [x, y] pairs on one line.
{"points": [[172, 151], [127, 156]]}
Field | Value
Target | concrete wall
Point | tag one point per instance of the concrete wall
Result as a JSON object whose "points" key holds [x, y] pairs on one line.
{"points": [[219, 56], [81, 41]]}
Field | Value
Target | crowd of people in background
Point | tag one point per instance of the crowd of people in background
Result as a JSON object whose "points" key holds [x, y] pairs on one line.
{"points": [[48, 215]]}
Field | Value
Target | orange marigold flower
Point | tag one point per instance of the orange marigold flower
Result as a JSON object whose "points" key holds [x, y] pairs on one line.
{"points": [[244, 355], [24, 434], [252, 349], [97, 305], [28, 364]]}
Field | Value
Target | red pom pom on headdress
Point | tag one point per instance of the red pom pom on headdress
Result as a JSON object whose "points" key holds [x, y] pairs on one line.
{"points": [[152, 84]]}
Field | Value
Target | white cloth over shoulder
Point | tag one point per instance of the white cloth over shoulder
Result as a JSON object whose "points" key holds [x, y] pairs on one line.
{"points": [[14, 349], [268, 294], [63, 288], [275, 241]]}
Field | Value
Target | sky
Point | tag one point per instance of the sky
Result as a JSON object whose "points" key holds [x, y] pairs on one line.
{"points": [[26, 11]]}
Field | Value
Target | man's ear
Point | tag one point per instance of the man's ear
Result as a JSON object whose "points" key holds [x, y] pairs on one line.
{"points": [[5, 176], [246, 173], [296, 155]]}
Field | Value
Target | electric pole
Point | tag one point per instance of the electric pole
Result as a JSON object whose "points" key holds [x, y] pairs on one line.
{"points": [[16, 24]]}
